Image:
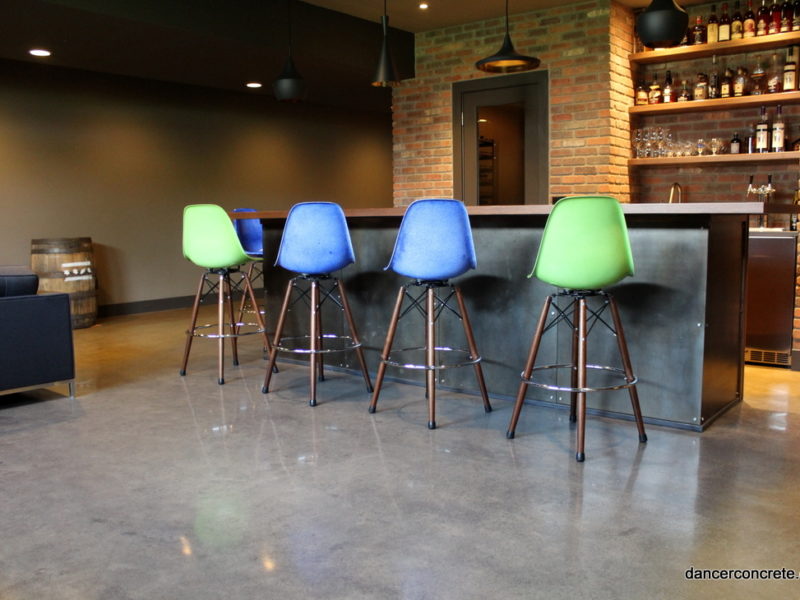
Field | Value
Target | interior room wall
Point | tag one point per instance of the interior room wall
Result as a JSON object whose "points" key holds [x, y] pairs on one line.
{"points": [[116, 159]]}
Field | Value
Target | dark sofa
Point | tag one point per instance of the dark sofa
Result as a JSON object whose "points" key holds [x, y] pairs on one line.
{"points": [[35, 334]]}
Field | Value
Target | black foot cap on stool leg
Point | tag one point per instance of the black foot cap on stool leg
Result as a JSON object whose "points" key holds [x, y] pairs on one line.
{"points": [[371, 410], [643, 438], [264, 390], [221, 381], [580, 456], [236, 363], [182, 372], [573, 418], [509, 435], [312, 402], [487, 409], [431, 424]]}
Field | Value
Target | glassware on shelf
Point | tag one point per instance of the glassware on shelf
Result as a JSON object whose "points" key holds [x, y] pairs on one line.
{"points": [[716, 145]]}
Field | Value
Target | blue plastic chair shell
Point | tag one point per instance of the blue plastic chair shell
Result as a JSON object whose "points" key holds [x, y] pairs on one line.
{"points": [[315, 239], [434, 242], [250, 233]]}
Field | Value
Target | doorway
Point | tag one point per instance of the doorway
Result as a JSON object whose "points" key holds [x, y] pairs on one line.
{"points": [[501, 140]]}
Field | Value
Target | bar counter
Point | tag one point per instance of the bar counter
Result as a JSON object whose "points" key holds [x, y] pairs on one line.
{"points": [[683, 310]]}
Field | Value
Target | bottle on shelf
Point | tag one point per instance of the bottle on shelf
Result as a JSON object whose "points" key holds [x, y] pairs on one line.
{"points": [[724, 30], [757, 82], [775, 14], [786, 16], [641, 94], [712, 26], [778, 131], [736, 144], [762, 132], [741, 83], [749, 21], [750, 140], [736, 22], [670, 92], [796, 15], [762, 19], [654, 95], [789, 76], [713, 80], [774, 75], [698, 32], [701, 87], [685, 95], [726, 84], [796, 202]]}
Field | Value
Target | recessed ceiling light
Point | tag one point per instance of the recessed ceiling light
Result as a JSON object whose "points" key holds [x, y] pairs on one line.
{"points": [[254, 84], [39, 52], [423, 6]]}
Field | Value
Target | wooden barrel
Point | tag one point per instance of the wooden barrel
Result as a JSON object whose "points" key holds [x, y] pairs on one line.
{"points": [[67, 265]]}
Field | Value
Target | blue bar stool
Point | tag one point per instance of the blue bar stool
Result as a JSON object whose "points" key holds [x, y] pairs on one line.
{"points": [[210, 241], [434, 244], [584, 248], [315, 242]]}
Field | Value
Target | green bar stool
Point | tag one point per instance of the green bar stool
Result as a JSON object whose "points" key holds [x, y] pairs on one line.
{"points": [[210, 241], [584, 248]]}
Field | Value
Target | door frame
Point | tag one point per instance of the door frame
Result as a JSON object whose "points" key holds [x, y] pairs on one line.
{"points": [[537, 120]]}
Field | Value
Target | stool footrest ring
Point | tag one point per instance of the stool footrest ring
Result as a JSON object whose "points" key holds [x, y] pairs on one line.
{"points": [[557, 388], [394, 359], [341, 343], [226, 335]]}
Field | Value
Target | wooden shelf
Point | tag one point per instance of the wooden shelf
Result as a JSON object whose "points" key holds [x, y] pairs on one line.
{"points": [[755, 44], [716, 104], [719, 159]]}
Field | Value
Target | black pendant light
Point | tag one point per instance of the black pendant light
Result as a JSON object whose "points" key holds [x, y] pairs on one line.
{"points": [[507, 60], [290, 85], [662, 24], [386, 73]]}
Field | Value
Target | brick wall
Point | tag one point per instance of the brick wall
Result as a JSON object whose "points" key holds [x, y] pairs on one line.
{"points": [[585, 48]]}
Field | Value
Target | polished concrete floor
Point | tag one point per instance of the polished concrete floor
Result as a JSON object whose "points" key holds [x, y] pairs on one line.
{"points": [[149, 485]]}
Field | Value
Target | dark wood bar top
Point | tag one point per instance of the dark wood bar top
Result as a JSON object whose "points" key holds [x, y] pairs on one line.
{"points": [[687, 208]]}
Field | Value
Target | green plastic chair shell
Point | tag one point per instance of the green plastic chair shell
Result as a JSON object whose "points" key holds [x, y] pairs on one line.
{"points": [[585, 244], [209, 238]]}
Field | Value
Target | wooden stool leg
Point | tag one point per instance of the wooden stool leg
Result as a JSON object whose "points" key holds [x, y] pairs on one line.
{"points": [[473, 348], [247, 275], [193, 323], [314, 339], [626, 363], [348, 315], [430, 356], [277, 338], [232, 322], [573, 396], [221, 330], [387, 348], [320, 357], [580, 456], [259, 319], [526, 374]]}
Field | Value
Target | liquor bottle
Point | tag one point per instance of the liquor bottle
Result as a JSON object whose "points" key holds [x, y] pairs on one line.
{"points": [[749, 21], [762, 19], [726, 84], [790, 76], [698, 32], [778, 132], [796, 15], [775, 75], [750, 140], [701, 87], [712, 28], [685, 95], [713, 80], [724, 33], [741, 83], [641, 94], [736, 143], [786, 16], [736, 22], [762, 132], [654, 95], [669, 93], [757, 82], [775, 14]]}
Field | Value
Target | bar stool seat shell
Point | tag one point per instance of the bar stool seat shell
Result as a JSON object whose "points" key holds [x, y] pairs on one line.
{"points": [[209, 240], [584, 245], [250, 234], [434, 241], [315, 239]]}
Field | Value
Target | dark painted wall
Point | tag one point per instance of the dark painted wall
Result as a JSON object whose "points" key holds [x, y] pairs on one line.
{"points": [[117, 159]]}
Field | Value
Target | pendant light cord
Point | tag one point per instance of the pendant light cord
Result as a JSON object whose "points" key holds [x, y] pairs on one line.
{"points": [[506, 17], [289, 16]]}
